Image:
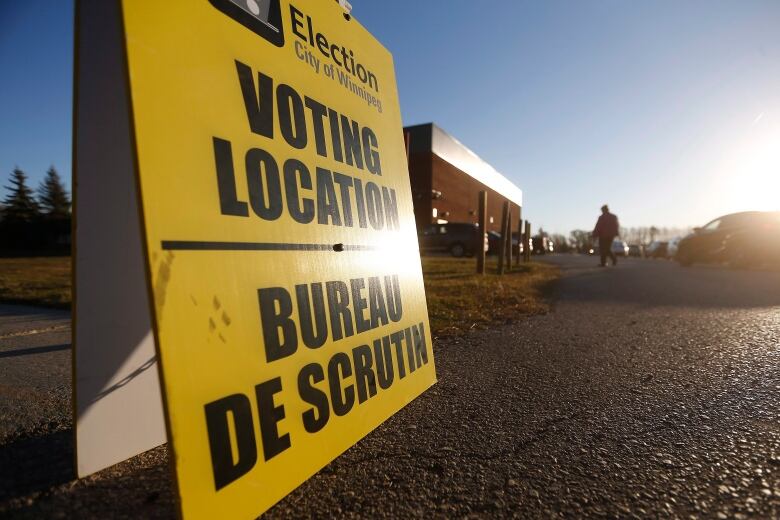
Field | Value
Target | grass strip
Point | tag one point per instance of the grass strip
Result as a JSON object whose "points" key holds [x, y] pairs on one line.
{"points": [[458, 299], [43, 281]]}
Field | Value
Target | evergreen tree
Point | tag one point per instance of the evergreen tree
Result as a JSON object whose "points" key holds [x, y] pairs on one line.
{"points": [[52, 196], [20, 205]]}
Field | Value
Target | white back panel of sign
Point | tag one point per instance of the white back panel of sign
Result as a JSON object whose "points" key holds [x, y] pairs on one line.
{"points": [[117, 405]]}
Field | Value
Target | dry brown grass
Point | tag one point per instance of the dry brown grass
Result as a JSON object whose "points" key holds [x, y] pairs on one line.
{"points": [[460, 300], [36, 281]]}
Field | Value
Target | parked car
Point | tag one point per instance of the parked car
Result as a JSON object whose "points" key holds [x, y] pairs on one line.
{"points": [[671, 248], [494, 243], [455, 238], [753, 248], [637, 250], [619, 247], [657, 249], [541, 245], [517, 244], [731, 236]]}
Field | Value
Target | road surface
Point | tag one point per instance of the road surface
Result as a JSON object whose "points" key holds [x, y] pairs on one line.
{"points": [[651, 390]]}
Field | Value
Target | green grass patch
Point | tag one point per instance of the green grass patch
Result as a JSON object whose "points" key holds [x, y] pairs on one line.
{"points": [[41, 281], [460, 300]]}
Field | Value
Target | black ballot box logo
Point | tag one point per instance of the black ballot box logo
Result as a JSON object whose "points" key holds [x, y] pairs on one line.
{"points": [[263, 17]]}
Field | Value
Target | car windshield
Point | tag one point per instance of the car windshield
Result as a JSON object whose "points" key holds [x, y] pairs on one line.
{"points": [[712, 226]]}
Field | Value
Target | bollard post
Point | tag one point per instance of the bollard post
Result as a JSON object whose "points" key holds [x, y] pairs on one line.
{"points": [[502, 248], [480, 246], [524, 238], [519, 234], [528, 243], [508, 248]]}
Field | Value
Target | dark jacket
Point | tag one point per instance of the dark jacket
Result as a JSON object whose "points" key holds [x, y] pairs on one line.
{"points": [[607, 226]]}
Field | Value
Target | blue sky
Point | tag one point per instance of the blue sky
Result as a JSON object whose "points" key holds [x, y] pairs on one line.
{"points": [[668, 111], [36, 57]]}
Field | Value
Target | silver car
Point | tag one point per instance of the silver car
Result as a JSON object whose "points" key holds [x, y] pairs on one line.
{"points": [[619, 247]]}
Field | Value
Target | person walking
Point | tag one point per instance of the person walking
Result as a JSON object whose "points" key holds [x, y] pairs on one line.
{"points": [[607, 228]]}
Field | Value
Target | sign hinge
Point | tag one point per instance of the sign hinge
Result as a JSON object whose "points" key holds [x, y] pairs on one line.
{"points": [[345, 5]]}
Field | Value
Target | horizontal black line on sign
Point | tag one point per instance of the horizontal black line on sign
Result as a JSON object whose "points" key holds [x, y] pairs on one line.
{"points": [[191, 245]]}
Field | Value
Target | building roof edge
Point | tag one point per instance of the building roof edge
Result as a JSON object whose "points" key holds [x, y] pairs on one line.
{"points": [[459, 155]]}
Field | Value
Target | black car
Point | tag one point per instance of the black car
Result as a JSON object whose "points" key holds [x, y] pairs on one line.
{"points": [[730, 238], [455, 238], [753, 248], [541, 245], [494, 243], [657, 249]]}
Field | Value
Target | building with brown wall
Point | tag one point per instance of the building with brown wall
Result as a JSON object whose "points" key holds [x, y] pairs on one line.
{"points": [[446, 179]]}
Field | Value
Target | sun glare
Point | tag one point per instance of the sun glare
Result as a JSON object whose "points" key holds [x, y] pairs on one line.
{"points": [[752, 179]]}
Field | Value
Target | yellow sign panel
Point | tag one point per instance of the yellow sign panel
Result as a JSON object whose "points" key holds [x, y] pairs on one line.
{"points": [[288, 298]]}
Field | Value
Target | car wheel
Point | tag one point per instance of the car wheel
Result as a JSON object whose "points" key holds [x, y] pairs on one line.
{"points": [[457, 250]]}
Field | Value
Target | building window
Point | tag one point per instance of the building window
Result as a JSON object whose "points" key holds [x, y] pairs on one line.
{"points": [[491, 220]]}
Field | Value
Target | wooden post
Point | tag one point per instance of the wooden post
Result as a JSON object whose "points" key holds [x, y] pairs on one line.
{"points": [[519, 235], [528, 242], [480, 246], [508, 248], [502, 249], [525, 241]]}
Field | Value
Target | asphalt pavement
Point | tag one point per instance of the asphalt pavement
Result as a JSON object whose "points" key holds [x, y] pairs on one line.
{"points": [[650, 390]]}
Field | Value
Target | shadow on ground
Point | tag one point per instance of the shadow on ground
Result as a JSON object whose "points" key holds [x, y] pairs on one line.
{"points": [[35, 463]]}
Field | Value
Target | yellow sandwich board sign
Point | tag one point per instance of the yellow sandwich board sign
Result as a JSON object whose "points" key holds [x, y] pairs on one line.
{"points": [[288, 307]]}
